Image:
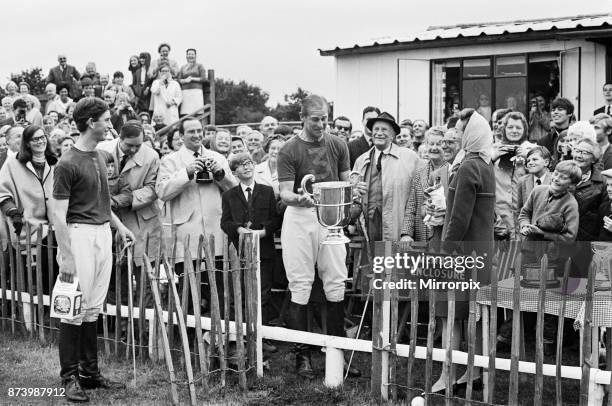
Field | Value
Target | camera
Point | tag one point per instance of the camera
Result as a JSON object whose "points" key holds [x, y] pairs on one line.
{"points": [[206, 175]]}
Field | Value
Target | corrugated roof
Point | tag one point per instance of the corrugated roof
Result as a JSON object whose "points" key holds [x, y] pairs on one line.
{"points": [[488, 29]]}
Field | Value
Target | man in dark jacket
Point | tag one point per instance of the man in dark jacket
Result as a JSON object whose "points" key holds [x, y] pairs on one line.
{"points": [[605, 210], [64, 74], [561, 111], [251, 208], [607, 94], [364, 143]]}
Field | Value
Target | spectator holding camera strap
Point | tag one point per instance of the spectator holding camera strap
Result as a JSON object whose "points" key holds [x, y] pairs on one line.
{"points": [[509, 158]]}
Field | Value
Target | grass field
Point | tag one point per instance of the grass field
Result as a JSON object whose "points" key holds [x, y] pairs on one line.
{"points": [[26, 363]]}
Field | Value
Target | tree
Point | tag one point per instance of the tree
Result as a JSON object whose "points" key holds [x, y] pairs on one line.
{"points": [[239, 102], [290, 111], [33, 77]]}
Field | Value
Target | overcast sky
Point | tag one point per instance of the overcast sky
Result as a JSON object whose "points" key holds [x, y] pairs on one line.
{"points": [[270, 43]]}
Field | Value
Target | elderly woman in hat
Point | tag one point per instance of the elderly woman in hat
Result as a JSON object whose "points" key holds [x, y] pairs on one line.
{"points": [[414, 228], [388, 172]]}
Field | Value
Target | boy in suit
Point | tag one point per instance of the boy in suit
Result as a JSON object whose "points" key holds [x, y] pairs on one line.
{"points": [[537, 162], [252, 207]]}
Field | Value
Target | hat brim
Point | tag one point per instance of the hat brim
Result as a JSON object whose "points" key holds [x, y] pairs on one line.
{"points": [[392, 123]]}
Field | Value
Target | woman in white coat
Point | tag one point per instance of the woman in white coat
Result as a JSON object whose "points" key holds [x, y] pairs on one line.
{"points": [[167, 96]]}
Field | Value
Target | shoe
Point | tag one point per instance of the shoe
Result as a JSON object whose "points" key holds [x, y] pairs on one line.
{"points": [[99, 381], [268, 347], [73, 390], [303, 364]]}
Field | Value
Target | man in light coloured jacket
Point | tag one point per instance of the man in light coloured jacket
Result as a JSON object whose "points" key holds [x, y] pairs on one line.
{"points": [[388, 171]]}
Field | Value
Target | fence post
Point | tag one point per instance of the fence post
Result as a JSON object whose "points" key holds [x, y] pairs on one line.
{"points": [[163, 333], [4, 307], [14, 295], [334, 367], [30, 306], [256, 279], [53, 323], [380, 330], [236, 269], [39, 286]]}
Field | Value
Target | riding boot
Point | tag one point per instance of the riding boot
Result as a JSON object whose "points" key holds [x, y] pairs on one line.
{"points": [[69, 343], [335, 327], [297, 320], [89, 373]]}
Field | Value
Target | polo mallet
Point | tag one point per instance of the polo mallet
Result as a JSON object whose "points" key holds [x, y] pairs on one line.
{"points": [[131, 308], [354, 178]]}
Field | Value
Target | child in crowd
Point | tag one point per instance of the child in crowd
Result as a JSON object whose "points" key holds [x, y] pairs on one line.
{"points": [[120, 191], [551, 212], [537, 162]]}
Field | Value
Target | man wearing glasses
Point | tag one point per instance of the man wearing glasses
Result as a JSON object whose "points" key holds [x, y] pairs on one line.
{"points": [[251, 207], [64, 74], [342, 127]]}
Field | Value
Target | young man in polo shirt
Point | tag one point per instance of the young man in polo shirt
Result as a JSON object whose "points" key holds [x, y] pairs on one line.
{"points": [[83, 218]]}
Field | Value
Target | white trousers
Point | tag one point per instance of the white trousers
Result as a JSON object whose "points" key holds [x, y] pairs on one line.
{"points": [[92, 249], [301, 238]]}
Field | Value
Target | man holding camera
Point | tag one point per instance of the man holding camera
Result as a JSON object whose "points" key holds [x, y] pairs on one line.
{"points": [[19, 114], [190, 182]]}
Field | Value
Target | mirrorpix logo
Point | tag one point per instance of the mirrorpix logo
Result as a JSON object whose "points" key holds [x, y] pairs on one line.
{"points": [[430, 271]]}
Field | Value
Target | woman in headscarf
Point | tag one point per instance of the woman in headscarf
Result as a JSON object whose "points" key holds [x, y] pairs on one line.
{"points": [[470, 208], [509, 157], [192, 77]]}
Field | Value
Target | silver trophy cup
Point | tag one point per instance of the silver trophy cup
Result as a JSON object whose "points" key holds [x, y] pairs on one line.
{"points": [[333, 203]]}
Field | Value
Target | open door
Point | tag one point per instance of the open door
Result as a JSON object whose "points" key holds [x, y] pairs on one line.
{"points": [[570, 77], [413, 89]]}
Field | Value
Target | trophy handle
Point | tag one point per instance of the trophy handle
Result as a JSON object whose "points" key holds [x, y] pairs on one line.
{"points": [[307, 178]]}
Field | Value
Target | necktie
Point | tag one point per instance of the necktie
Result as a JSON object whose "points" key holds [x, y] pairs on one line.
{"points": [[123, 162], [196, 154], [249, 196], [608, 109], [538, 182], [379, 163]]}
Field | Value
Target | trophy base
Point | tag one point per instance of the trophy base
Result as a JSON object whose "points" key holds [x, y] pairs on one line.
{"points": [[335, 236]]}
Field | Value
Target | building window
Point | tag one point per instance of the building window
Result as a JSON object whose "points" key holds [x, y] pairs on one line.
{"points": [[491, 83]]}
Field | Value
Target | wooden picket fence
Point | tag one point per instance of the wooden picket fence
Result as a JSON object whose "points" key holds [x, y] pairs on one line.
{"points": [[388, 355], [204, 348]]}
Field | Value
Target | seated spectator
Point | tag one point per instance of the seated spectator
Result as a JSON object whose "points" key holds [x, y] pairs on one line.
{"points": [[167, 95], [221, 142], [164, 59], [3, 114], [537, 162], [192, 77], [61, 105], [118, 86], [551, 212], [123, 111], [7, 103], [12, 90], [64, 74], [238, 145]]}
